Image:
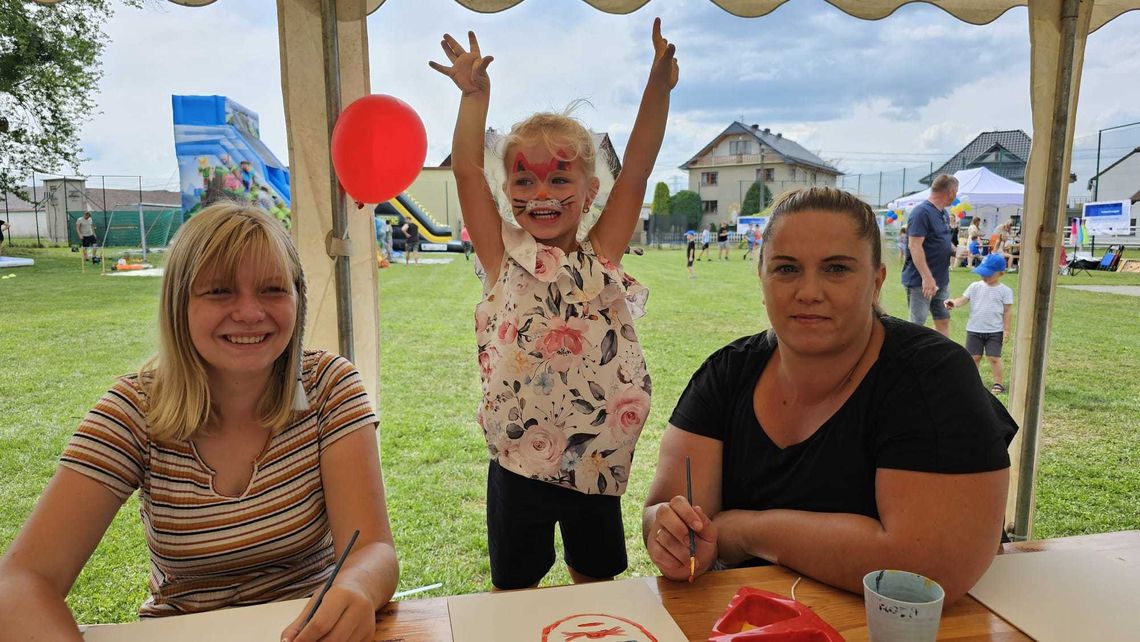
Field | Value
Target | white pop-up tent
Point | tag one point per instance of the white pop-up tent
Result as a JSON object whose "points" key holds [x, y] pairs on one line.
{"points": [[979, 187]]}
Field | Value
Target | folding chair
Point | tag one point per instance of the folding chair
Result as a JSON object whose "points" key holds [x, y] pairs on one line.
{"points": [[1081, 262], [1111, 258]]}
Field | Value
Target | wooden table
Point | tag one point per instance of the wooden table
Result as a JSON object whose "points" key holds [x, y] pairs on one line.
{"points": [[696, 606]]}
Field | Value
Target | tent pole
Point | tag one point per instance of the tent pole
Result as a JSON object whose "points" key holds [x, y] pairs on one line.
{"points": [[1058, 28], [339, 211]]}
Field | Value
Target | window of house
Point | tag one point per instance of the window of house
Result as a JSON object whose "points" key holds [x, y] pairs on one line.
{"points": [[708, 207], [793, 172], [813, 178], [766, 174], [739, 147], [708, 178]]}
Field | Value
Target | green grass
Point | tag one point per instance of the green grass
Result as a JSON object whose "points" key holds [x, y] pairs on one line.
{"points": [[65, 335]]}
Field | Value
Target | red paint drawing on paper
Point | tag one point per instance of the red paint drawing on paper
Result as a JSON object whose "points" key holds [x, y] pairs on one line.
{"points": [[585, 627]]}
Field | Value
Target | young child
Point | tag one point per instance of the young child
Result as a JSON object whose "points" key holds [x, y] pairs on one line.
{"points": [[690, 251], [990, 315], [900, 243], [565, 386]]}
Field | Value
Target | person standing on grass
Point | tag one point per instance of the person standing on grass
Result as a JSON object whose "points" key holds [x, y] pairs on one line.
{"points": [[926, 272], [254, 459], [411, 242], [706, 238], [991, 305], [690, 251], [566, 390], [465, 238], [722, 242], [85, 228], [3, 228]]}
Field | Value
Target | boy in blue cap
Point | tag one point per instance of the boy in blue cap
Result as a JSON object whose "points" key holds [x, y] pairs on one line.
{"points": [[990, 315]]}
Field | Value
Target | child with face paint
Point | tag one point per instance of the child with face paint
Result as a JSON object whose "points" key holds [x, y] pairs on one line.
{"points": [[565, 386]]}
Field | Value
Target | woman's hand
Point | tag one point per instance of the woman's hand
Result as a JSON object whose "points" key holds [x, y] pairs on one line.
{"points": [[664, 70], [345, 615], [667, 538], [468, 69]]}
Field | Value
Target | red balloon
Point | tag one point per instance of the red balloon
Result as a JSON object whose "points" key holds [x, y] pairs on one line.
{"points": [[378, 148]]}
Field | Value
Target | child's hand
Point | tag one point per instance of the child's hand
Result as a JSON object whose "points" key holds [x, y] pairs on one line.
{"points": [[949, 304], [664, 69], [468, 69]]}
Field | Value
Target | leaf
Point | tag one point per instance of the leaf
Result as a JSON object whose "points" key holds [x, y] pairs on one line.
{"points": [[607, 453], [598, 392], [602, 484], [535, 353], [514, 431], [609, 347], [582, 405], [628, 333], [600, 419], [516, 386], [574, 391], [526, 326], [619, 473], [530, 423], [514, 414], [522, 402], [647, 385], [580, 439], [562, 376]]}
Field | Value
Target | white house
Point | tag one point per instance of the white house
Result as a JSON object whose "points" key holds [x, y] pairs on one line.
{"points": [[741, 155]]}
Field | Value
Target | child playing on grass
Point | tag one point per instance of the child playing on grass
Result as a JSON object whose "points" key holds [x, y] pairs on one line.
{"points": [[565, 386], [990, 315]]}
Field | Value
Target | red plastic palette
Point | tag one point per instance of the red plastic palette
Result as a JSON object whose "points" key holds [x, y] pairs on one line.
{"points": [[760, 616]]}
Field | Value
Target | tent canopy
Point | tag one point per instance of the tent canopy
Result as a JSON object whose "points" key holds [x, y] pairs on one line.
{"points": [[979, 186]]}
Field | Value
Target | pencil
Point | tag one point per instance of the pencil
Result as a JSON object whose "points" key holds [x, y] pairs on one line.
{"points": [[328, 582], [692, 535]]}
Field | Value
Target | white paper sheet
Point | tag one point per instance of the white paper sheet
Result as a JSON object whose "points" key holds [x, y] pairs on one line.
{"points": [[262, 623], [624, 610], [1065, 595]]}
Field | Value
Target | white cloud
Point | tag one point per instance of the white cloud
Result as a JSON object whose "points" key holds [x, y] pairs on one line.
{"points": [[904, 91]]}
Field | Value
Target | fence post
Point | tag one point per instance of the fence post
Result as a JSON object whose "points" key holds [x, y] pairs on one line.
{"points": [[36, 209], [880, 201]]}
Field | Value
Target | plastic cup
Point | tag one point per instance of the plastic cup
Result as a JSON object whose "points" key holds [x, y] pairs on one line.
{"points": [[902, 606]]}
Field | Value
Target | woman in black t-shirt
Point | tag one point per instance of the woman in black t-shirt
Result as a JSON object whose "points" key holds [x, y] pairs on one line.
{"points": [[840, 441]]}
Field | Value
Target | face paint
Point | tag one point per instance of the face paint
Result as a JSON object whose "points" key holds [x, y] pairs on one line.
{"points": [[542, 170]]}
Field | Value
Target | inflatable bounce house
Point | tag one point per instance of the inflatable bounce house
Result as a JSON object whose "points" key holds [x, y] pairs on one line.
{"points": [[221, 156]]}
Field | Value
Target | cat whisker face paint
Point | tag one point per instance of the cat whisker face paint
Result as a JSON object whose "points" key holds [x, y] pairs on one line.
{"points": [[548, 191]]}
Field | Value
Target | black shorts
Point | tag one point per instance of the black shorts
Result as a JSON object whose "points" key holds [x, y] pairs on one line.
{"points": [[704, 246], [984, 343], [521, 514], [89, 241]]}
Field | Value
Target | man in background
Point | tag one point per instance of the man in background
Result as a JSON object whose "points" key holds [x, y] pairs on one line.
{"points": [[85, 229], [926, 273]]}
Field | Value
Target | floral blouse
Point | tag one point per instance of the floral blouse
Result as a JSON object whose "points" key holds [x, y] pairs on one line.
{"points": [[565, 386]]}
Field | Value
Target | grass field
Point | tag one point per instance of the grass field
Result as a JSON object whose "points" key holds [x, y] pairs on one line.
{"points": [[64, 336]]}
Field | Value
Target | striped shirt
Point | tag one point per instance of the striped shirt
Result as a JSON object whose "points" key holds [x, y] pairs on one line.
{"points": [[987, 306], [209, 551]]}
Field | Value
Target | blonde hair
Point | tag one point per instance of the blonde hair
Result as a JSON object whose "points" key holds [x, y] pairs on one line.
{"points": [[216, 241], [561, 133]]}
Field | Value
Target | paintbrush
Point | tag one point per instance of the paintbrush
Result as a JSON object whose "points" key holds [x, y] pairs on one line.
{"points": [[692, 535], [328, 582]]}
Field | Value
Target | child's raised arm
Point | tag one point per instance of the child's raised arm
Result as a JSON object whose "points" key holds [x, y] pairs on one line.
{"points": [[468, 71], [613, 230]]}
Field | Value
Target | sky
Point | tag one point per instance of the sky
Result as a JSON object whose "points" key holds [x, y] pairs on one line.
{"points": [[867, 96]]}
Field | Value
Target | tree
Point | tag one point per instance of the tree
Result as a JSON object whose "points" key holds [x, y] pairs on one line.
{"points": [[49, 73], [752, 200], [687, 203], [660, 211]]}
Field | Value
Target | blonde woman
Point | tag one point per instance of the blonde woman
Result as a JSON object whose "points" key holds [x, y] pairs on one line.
{"points": [[254, 460]]}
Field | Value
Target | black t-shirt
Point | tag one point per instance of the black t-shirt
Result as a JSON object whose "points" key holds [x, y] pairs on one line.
{"points": [[413, 234], [721, 236], [921, 407]]}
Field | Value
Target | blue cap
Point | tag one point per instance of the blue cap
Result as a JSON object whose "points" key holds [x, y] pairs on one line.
{"points": [[992, 264]]}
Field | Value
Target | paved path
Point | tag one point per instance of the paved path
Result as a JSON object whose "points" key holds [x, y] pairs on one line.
{"points": [[1127, 290]]}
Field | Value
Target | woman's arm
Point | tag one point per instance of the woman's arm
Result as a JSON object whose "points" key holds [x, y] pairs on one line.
{"points": [[47, 555], [354, 496], [946, 527], [667, 516], [468, 71], [623, 207]]}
